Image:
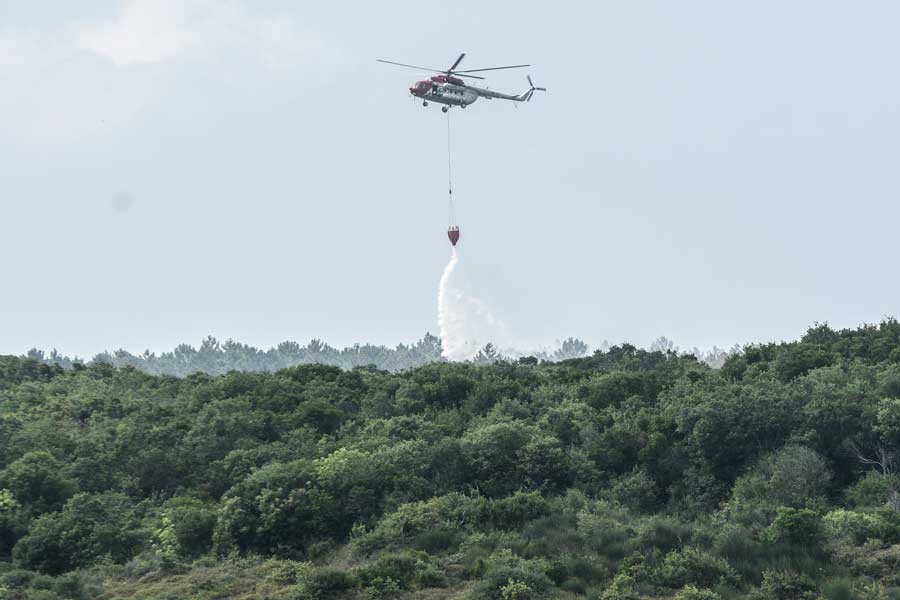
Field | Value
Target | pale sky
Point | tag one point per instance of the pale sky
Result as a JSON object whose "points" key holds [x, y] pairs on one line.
{"points": [[717, 172]]}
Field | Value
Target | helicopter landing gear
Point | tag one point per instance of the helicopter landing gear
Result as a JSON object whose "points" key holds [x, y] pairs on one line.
{"points": [[445, 109], [425, 103]]}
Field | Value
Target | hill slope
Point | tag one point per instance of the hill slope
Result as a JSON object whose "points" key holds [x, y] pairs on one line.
{"points": [[626, 474]]}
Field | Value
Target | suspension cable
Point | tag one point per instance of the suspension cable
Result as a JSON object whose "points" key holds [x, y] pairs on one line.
{"points": [[449, 171]]}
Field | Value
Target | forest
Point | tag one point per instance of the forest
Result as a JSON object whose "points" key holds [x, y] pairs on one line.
{"points": [[623, 475]]}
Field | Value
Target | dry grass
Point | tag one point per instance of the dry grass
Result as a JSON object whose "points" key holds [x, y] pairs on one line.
{"points": [[233, 580]]}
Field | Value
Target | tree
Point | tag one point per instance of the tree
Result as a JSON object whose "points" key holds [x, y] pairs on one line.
{"points": [[281, 508], [88, 527], [570, 348], [37, 481]]}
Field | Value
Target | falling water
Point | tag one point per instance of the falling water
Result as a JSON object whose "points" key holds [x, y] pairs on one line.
{"points": [[466, 323]]}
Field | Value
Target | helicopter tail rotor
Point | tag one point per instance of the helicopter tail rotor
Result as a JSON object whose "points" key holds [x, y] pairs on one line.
{"points": [[533, 89], [526, 95]]}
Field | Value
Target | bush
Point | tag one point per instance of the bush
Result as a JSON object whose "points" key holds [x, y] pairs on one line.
{"points": [[800, 527], [680, 568], [606, 530], [434, 524], [872, 490], [873, 560], [36, 481], [88, 527], [783, 585], [381, 589], [663, 535], [193, 522], [283, 572], [19, 583], [847, 526], [323, 584], [403, 568], [692, 593], [636, 491], [794, 476], [269, 512], [516, 510], [516, 590], [839, 590], [506, 571], [623, 587]]}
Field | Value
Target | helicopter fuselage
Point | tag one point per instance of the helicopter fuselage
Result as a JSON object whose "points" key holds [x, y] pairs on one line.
{"points": [[452, 91], [451, 94]]}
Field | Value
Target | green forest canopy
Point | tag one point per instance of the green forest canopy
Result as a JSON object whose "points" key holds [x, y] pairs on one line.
{"points": [[625, 474]]}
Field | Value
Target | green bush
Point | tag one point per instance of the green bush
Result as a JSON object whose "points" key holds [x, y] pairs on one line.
{"points": [[506, 573], [623, 587], [37, 481], [689, 565], [19, 583], [783, 585], [323, 584], [636, 491], [839, 590], [872, 490], [193, 522], [404, 568], [514, 511], [847, 526], [692, 593], [873, 560], [89, 526], [800, 527], [434, 524]]}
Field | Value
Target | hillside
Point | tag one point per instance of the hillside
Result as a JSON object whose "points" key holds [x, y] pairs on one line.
{"points": [[626, 474]]}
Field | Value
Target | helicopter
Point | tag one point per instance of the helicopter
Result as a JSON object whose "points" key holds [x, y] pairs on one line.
{"points": [[446, 86]]}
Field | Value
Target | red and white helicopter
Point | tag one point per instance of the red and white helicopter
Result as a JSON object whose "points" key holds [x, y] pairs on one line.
{"points": [[448, 89]]}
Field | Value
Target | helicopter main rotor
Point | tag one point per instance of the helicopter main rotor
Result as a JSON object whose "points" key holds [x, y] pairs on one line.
{"points": [[452, 72]]}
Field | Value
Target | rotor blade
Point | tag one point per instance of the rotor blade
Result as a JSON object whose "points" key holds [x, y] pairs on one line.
{"points": [[458, 60], [455, 74], [493, 69], [410, 66], [531, 83]]}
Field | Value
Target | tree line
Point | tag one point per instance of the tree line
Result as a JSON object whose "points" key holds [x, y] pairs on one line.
{"points": [[217, 358]]}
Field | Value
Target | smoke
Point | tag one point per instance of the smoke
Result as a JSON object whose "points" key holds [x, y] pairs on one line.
{"points": [[466, 323]]}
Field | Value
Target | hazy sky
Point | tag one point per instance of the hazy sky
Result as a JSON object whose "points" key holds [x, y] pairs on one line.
{"points": [[712, 171]]}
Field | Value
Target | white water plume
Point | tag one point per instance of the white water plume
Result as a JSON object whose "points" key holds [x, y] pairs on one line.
{"points": [[466, 323]]}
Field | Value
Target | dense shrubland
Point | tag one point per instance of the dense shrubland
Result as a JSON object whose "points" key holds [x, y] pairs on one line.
{"points": [[627, 474]]}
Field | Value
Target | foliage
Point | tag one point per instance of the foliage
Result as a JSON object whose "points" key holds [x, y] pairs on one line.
{"points": [[692, 593], [88, 527], [693, 566], [628, 473], [36, 481], [783, 585], [507, 576], [798, 526]]}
